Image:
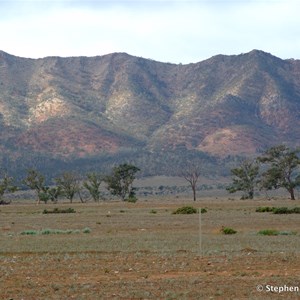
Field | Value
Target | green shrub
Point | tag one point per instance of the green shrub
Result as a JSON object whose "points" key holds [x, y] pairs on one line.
{"points": [[278, 210], [282, 210], [296, 210], [57, 210], [269, 232], [276, 232], [46, 231], [153, 211], [86, 230], [264, 209], [287, 233], [186, 210], [29, 232], [54, 231], [228, 230], [131, 199], [285, 210]]}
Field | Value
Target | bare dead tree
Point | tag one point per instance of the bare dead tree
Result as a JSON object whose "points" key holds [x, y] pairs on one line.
{"points": [[191, 175]]}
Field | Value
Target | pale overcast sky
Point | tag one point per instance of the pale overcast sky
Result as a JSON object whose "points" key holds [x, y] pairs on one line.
{"points": [[181, 31]]}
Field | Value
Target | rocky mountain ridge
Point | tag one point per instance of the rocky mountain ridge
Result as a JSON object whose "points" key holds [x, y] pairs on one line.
{"points": [[83, 107]]}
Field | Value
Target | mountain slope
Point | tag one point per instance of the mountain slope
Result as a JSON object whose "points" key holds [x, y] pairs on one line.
{"points": [[75, 107]]}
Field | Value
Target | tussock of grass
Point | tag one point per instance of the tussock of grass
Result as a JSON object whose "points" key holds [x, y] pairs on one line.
{"points": [[264, 209], [86, 230], [54, 231], [29, 232], [272, 232], [268, 232]]}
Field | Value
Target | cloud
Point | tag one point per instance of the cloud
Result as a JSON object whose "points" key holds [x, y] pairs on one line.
{"points": [[166, 30]]}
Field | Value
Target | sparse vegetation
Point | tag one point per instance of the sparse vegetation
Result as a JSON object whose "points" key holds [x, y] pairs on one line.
{"points": [[279, 210], [86, 230], [286, 210], [228, 230], [185, 210], [128, 243], [287, 233], [29, 232], [268, 232], [274, 232], [264, 209], [54, 231], [57, 210]]}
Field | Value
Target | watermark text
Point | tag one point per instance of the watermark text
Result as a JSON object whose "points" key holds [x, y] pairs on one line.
{"points": [[277, 289]]}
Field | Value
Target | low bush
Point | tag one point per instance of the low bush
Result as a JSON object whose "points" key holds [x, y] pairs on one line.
{"points": [[186, 210], [287, 233], [296, 210], [264, 209], [57, 210], [282, 210], [228, 230], [285, 210], [269, 232], [29, 232], [278, 210], [3, 202], [131, 199], [86, 230]]}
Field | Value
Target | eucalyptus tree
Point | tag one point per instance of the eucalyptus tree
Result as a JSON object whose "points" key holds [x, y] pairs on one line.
{"points": [[283, 169], [119, 183], [245, 179]]}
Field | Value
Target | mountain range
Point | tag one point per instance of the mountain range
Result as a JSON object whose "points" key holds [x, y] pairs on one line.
{"points": [[95, 111]]}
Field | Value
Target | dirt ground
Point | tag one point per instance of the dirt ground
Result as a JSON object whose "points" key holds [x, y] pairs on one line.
{"points": [[143, 251]]}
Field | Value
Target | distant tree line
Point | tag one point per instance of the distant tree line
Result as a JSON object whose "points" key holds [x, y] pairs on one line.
{"points": [[277, 168], [119, 183]]}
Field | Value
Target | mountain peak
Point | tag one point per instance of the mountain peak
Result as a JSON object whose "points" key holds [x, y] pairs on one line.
{"points": [[3, 54]]}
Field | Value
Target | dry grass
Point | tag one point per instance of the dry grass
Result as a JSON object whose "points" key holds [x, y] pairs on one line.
{"points": [[132, 253]]}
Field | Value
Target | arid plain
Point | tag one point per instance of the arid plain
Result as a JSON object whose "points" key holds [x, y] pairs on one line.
{"points": [[117, 250]]}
